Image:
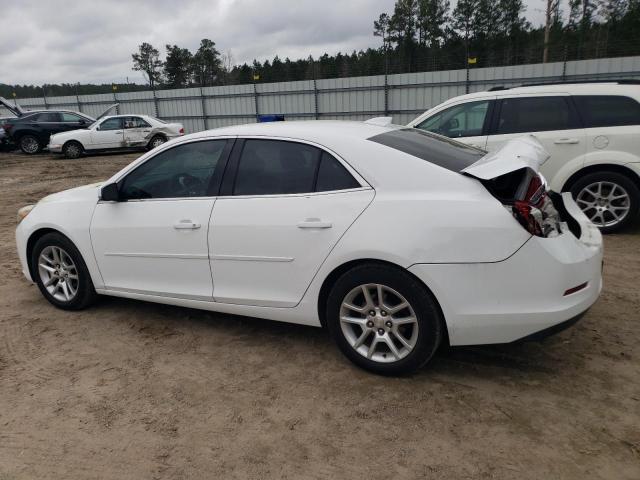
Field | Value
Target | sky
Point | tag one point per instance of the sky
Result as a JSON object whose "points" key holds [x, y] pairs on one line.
{"points": [[91, 41]]}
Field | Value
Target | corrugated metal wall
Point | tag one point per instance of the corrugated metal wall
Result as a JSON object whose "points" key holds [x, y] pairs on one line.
{"points": [[403, 96]]}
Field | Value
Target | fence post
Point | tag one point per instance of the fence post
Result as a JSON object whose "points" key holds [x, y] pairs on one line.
{"points": [[386, 95], [564, 64], [315, 98], [255, 99], [115, 100], [467, 82], [204, 109], [44, 99], [155, 102]]}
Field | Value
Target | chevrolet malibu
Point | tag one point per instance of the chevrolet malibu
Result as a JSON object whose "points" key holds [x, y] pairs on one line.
{"points": [[394, 239]]}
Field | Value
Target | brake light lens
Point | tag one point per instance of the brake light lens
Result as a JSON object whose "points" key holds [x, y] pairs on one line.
{"points": [[182, 131], [529, 210]]}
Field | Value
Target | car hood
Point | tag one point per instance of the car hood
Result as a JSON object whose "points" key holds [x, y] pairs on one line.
{"points": [[521, 152], [85, 192], [67, 135]]}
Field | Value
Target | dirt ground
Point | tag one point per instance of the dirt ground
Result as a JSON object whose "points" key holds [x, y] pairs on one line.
{"points": [[132, 390]]}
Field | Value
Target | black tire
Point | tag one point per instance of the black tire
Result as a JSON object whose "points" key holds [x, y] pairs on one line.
{"points": [[156, 141], [622, 182], [429, 318], [85, 293], [72, 149], [30, 144]]}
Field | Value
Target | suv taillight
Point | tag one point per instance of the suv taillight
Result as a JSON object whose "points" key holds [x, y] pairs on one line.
{"points": [[7, 126]]}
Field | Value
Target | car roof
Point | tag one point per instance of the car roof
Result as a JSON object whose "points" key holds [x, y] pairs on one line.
{"points": [[319, 131]]}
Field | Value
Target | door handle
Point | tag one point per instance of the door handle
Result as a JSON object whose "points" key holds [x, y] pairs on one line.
{"points": [[186, 225], [314, 223], [566, 141]]}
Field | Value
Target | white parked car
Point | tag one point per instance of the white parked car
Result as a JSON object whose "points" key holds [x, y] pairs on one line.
{"points": [[591, 130], [116, 132], [392, 237]]}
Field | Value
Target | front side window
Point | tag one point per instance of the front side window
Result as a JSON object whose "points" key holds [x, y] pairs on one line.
{"points": [[272, 167], [466, 120], [535, 114], [607, 110], [111, 124], [183, 171]]}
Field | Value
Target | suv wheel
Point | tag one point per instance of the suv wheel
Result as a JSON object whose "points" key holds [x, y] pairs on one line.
{"points": [[61, 273], [30, 144], [609, 199], [383, 319]]}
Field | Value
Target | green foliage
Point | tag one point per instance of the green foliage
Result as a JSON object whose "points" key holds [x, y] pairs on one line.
{"points": [[147, 60]]}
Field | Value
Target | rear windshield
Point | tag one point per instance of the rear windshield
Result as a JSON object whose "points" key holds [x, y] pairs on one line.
{"points": [[442, 151]]}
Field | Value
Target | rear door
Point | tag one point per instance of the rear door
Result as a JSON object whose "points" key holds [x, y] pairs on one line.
{"points": [[467, 122], [283, 206], [136, 131], [551, 118], [108, 134]]}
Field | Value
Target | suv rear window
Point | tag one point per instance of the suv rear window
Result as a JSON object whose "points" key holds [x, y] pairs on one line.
{"points": [[607, 110], [442, 151]]}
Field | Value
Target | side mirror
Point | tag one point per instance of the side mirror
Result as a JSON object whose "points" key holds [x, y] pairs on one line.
{"points": [[109, 193]]}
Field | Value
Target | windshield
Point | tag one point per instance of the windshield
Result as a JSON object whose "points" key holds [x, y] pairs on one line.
{"points": [[442, 151]]}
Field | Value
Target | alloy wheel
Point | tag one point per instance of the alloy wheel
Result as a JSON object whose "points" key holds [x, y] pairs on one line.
{"points": [[379, 323], [605, 203], [73, 150], [58, 273], [157, 142], [29, 145]]}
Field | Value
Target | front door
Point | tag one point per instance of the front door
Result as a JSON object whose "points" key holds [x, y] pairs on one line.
{"points": [[551, 119], [107, 134], [466, 122], [154, 240], [289, 205]]}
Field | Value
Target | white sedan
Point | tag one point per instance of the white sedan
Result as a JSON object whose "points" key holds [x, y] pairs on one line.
{"points": [[115, 132], [395, 239]]}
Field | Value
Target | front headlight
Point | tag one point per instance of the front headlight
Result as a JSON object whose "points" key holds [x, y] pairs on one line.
{"points": [[24, 211]]}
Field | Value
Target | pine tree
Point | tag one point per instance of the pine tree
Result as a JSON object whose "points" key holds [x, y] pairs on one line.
{"points": [[147, 60], [432, 19], [178, 66]]}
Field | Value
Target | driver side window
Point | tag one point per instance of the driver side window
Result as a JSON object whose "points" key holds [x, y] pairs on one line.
{"points": [[464, 120], [182, 171]]}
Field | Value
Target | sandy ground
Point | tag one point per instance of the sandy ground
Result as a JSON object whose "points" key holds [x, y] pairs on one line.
{"points": [[131, 390]]}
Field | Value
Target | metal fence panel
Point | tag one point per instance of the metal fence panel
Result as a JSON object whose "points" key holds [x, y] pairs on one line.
{"points": [[403, 96]]}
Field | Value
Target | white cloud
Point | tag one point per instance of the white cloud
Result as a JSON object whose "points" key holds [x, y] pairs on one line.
{"points": [[55, 41]]}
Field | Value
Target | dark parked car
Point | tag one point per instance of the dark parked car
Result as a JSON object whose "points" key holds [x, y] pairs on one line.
{"points": [[30, 130]]}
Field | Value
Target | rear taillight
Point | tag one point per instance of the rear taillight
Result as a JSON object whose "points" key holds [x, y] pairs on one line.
{"points": [[529, 211], [7, 126], [182, 131]]}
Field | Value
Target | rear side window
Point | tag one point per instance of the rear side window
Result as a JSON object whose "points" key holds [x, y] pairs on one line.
{"points": [[272, 167], [47, 117], [535, 114], [333, 176], [436, 149], [71, 117], [607, 110]]}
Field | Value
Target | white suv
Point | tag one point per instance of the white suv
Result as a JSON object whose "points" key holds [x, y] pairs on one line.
{"points": [[591, 130]]}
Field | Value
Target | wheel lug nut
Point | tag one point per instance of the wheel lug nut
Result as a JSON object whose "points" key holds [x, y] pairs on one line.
{"points": [[370, 324], [372, 313], [388, 323], [383, 313], [380, 331]]}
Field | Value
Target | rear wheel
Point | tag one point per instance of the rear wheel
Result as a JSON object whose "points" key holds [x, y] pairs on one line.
{"points": [[61, 274], [72, 150], [30, 144], [156, 141], [609, 199], [383, 319]]}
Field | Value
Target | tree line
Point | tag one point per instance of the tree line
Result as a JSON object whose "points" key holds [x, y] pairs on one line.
{"points": [[418, 35]]}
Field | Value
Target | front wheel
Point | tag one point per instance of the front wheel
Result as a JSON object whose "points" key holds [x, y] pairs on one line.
{"points": [[383, 319], [30, 144], [61, 274], [72, 150], [609, 199]]}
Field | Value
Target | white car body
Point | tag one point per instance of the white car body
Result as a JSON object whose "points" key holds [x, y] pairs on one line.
{"points": [[132, 131], [576, 150], [269, 256]]}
